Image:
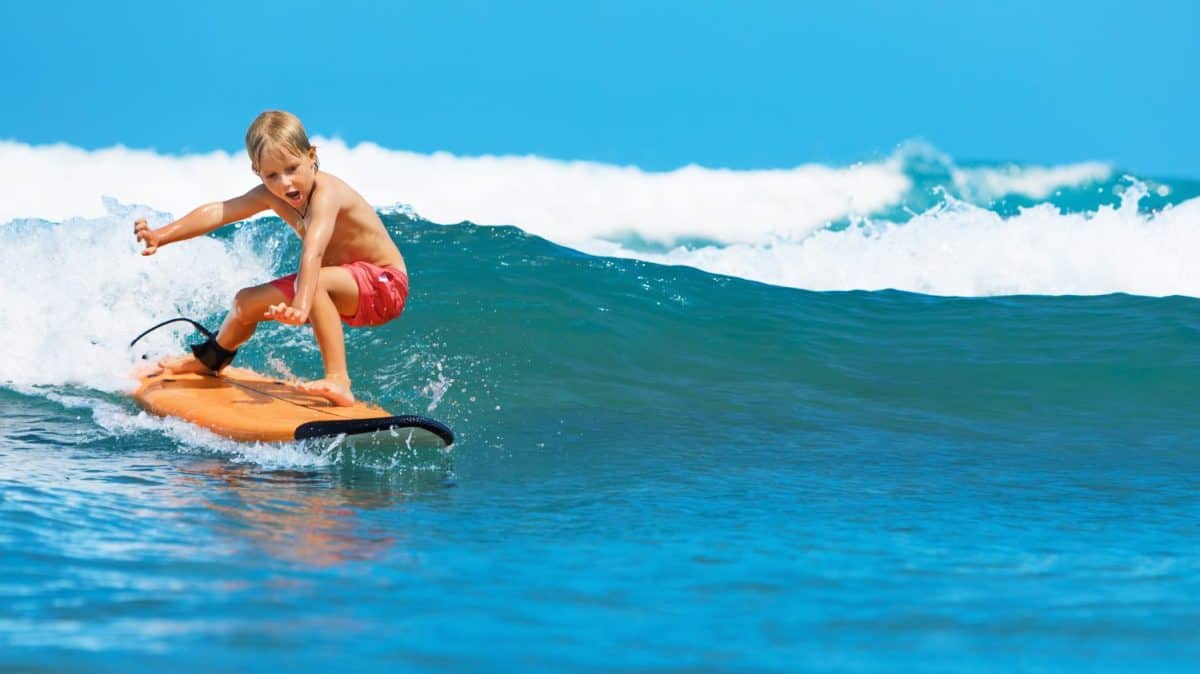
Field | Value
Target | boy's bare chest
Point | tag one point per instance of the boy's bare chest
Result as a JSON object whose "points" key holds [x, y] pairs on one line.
{"points": [[345, 243]]}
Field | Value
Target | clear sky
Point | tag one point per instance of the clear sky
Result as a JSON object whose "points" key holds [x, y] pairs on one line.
{"points": [[749, 84]]}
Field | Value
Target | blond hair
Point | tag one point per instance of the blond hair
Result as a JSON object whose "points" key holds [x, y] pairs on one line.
{"points": [[274, 131]]}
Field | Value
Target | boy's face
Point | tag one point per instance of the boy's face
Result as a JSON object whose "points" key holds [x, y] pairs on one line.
{"points": [[289, 176]]}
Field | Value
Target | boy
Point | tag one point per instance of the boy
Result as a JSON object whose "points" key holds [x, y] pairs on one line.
{"points": [[350, 270]]}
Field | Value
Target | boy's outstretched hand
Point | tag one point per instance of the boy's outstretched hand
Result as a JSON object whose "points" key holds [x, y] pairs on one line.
{"points": [[286, 313], [146, 235]]}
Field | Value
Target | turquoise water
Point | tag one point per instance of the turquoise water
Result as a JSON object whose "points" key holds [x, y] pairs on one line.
{"points": [[657, 467]]}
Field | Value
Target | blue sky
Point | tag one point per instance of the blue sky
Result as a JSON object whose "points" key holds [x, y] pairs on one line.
{"points": [[657, 84]]}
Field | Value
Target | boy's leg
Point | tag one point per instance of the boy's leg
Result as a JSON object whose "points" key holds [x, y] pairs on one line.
{"points": [[249, 309], [249, 306], [336, 296]]}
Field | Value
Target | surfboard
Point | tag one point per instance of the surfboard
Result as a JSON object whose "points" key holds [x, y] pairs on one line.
{"points": [[244, 405]]}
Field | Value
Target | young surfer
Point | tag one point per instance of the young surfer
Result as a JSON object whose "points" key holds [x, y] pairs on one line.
{"points": [[350, 270]]}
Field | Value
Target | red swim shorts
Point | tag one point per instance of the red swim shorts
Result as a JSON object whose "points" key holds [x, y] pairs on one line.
{"points": [[382, 292]]}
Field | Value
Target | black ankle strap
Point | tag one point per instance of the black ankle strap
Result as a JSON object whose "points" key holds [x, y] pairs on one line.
{"points": [[214, 356]]}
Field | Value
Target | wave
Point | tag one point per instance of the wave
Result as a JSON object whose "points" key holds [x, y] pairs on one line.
{"points": [[564, 201], [68, 318], [503, 323], [1035, 182], [914, 221], [959, 249]]}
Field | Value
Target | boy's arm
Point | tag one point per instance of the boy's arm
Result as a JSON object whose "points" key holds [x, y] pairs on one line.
{"points": [[202, 220], [322, 218]]}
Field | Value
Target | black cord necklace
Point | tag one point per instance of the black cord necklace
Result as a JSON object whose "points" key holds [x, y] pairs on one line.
{"points": [[304, 214], [307, 202]]}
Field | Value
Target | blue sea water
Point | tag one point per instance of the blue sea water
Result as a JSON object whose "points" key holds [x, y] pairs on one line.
{"points": [[658, 467]]}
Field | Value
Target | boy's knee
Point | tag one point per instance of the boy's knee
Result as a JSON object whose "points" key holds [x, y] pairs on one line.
{"points": [[242, 302]]}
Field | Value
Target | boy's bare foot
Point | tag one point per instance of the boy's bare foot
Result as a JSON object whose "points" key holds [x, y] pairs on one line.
{"points": [[334, 389], [182, 365]]}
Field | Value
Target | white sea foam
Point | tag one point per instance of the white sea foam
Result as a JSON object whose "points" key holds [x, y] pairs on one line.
{"points": [[963, 250], [765, 225], [981, 185], [74, 290], [984, 184], [565, 201]]}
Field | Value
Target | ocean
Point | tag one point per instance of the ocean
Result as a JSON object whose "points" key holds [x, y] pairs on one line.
{"points": [[912, 414]]}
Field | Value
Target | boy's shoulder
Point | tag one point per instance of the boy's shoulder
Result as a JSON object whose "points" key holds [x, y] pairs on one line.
{"points": [[326, 178], [339, 189]]}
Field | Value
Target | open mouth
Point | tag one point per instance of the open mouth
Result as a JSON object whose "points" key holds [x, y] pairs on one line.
{"points": [[293, 195]]}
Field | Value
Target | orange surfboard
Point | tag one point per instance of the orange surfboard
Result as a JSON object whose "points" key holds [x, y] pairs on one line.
{"points": [[244, 405]]}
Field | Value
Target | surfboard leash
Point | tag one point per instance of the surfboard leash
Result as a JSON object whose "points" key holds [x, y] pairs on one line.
{"points": [[207, 333], [214, 356]]}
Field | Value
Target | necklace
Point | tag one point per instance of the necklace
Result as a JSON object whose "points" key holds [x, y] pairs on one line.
{"points": [[304, 214]]}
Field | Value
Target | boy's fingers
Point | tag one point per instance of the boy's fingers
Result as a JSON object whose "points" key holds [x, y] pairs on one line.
{"points": [[283, 312]]}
